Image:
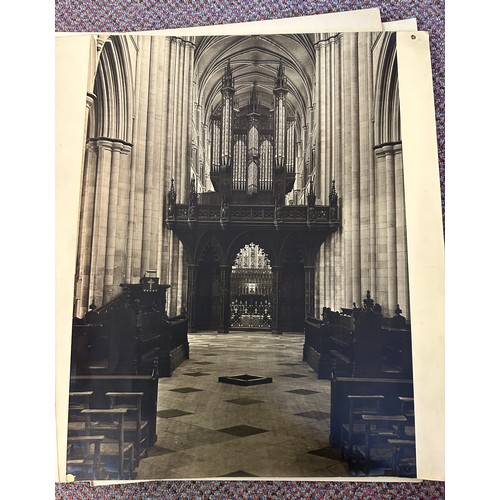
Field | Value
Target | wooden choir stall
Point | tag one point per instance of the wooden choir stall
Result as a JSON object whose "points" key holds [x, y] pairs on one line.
{"points": [[368, 359], [118, 353]]}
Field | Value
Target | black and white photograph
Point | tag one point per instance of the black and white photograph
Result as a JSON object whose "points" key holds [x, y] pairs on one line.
{"points": [[241, 303]]}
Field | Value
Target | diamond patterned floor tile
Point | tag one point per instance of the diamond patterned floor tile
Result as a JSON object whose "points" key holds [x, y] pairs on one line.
{"points": [[244, 401], [185, 390], [242, 430], [172, 413], [156, 451], [327, 452], [225, 432], [303, 392], [239, 473], [246, 380]]}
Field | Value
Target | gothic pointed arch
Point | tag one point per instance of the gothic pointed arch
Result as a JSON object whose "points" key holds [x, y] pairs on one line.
{"points": [[105, 199], [208, 243], [113, 109], [249, 237], [386, 91]]}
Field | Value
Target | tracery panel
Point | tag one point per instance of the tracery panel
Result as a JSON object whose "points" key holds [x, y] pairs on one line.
{"points": [[216, 138], [240, 161], [266, 162]]}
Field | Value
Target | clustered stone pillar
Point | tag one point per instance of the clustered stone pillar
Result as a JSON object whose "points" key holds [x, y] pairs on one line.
{"points": [[366, 163], [403, 296], [391, 256], [122, 231], [103, 225], [327, 150], [380, 288], [164, 106], [86, 226], [369, 250]]}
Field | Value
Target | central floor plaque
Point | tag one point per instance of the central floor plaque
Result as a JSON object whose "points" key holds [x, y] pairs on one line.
{"points": [[246, 380]]}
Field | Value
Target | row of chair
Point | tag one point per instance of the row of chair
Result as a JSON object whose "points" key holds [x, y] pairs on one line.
{"points": [[373, 441], [106, 443]]}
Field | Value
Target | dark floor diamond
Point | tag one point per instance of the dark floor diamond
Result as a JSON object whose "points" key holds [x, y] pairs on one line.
{"points": [[242, 430], [156, 451], [239, 473], [289, 364], [327, 452], [185, 390], [294, 375], [173, 413], [209, 354], [246, 380], [244, 401], [197, 374], [304, 392], [315, 415]]}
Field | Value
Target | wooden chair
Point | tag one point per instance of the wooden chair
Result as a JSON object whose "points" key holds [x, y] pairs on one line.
{"points": [[352, 432], [78, 401], [376, 453], [84, 457], [404, 457], [117, 455], [408, 410], [136, 429]]}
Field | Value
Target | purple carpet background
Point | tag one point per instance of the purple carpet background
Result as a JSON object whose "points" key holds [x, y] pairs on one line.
{"points": [[142, 15]]}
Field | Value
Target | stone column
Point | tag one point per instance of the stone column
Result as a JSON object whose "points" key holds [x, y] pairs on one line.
{"points": [[392, 287], [355, 171], [109, 265], [137, 177], [276, 328], [403, 295], [381, 285], [191, 304], [321, 117], [338, 299], [225, 312], [365, 156], [86, 228], [346, 192], [122, 222], [100, 226], [151, 148]]}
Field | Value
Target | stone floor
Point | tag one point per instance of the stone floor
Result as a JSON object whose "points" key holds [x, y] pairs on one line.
{"points": [[209, 429]]}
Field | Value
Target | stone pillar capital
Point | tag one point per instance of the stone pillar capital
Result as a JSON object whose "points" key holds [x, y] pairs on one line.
{"points": [[388, 148], [110, 144], [90, 100]]}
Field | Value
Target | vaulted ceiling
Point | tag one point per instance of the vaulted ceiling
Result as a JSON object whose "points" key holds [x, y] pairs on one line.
{"points": [[255, 60]]}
